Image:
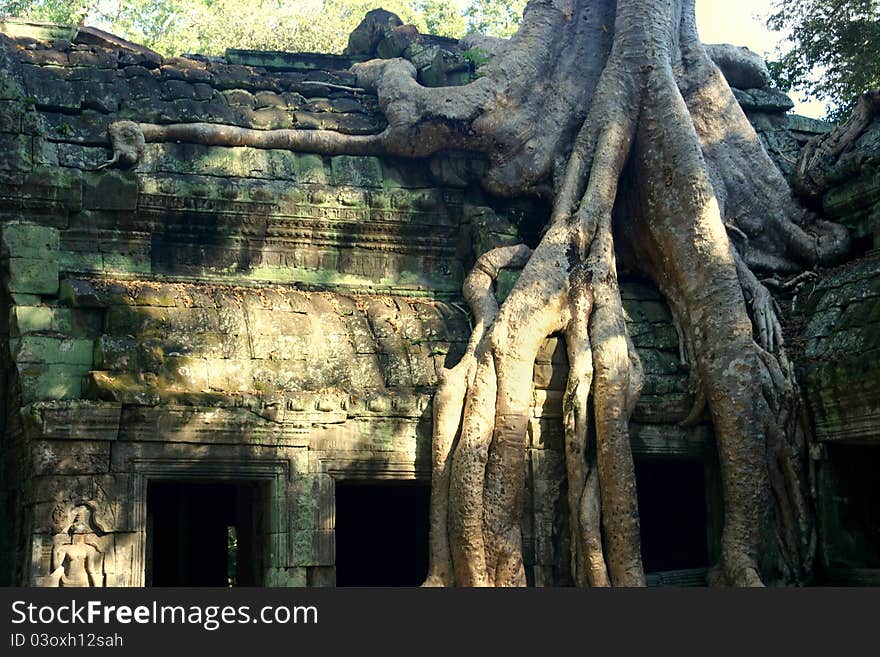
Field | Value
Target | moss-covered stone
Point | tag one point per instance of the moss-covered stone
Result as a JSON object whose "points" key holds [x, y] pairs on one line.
{"points": [[17, 154], [9, 90], [310, 168], [19, 28], [357, 171], [50, 319], [32, 276], [126, 263], [286, 577], [41, 381], [53, 350], [24, 240], [80, 261], [123, 388], [110, 190]]}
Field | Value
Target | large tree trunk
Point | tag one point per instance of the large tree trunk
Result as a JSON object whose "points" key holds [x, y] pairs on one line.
{"points": [[613, 110]]}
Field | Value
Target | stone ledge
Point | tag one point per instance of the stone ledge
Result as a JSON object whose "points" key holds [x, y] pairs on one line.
{"points": [[73, 420]]}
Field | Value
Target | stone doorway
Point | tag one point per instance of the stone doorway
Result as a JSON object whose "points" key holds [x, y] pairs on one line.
{"points": [[848, 512], [382, 533], [672, 499], [204, 533]]}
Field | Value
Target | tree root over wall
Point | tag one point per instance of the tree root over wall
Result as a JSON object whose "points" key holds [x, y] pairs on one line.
{"points": [[614, 110]]}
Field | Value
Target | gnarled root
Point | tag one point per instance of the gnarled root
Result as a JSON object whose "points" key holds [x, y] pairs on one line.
{"points": [[642, 142], [449, 400], [822, 151]]}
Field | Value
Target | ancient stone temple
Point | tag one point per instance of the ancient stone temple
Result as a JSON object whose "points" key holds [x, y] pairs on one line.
{"points": [[217, 367]]}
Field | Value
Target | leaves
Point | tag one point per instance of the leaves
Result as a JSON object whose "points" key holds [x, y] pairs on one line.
{"points": [[494, 17], [174, 27], [832, 55]]}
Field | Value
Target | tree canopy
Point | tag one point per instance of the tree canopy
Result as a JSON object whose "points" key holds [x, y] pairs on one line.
{"points": [[173, 27], [831, 54]]}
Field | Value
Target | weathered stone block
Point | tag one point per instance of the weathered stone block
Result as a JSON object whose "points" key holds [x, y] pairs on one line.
{"points": [[314, 548], [552, 350], [286, 577], [92, 59], [200, 424], [41, 319], [22, 240], [311, 169], [75, 419], [25, 299], [859, 191], [37, 319], [125, 388], [763, 100], [51, 91], [40, 381], [662, 409], [322, 576], [29, 275], [28, 319], [240, 162], [548, 472], [126, 263], [110, 190], [106, 494], [70, 457], [81, 157], [545, 434], [547, 403], [9, 89], [153, 321], [55, 186], [17, 155], [207, 374], [80, 294], [660, 362], [52, 350], [356, 171]]}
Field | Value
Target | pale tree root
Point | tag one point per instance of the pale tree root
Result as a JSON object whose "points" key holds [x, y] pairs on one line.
{"points": [[486, 486], [449, 399], [652, 137], [761, 444], [747, 184]]}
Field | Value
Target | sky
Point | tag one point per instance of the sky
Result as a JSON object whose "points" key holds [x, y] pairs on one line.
{"points": [[743, 23]]}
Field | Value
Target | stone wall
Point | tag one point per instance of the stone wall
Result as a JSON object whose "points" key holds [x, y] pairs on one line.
{"points": [[236, 314], [841, 371]]}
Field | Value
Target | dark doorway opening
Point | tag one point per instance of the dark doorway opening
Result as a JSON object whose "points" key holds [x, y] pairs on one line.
{"points": [[203, 534], [850, 506], [382, 534], [672, 513]]}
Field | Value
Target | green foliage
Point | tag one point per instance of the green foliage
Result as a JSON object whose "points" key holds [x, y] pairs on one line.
{"points": [[833, 50], [209, 27], [443, 18], [494, 17], [67, 12], [475, 57]]}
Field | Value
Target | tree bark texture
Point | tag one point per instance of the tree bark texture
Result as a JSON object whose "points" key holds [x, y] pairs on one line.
{"points": [[615, 111]]}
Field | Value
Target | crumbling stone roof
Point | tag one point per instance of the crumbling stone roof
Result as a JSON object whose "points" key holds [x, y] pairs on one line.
{"points": [[91, 75]]}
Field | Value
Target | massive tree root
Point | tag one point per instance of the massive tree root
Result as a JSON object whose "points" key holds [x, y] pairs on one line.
{"points": [[615, 112]]}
